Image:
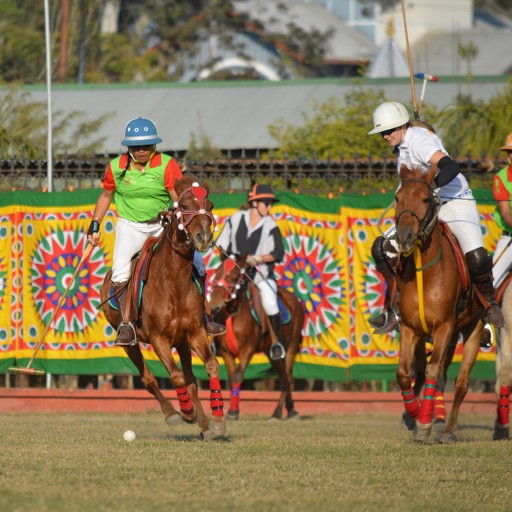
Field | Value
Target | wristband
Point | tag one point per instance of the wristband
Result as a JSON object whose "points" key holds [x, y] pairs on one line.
{"points": [[94, 227]]}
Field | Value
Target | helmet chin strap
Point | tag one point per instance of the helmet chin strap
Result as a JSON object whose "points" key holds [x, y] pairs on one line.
{"points": [[150, 156]]}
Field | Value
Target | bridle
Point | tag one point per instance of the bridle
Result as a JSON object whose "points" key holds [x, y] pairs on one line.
{"points": [[200, 193], [230, 288], [185, 217], [429, 220]]}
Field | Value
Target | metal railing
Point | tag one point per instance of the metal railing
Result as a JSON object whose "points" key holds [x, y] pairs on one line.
{"points": [[232, 174]]}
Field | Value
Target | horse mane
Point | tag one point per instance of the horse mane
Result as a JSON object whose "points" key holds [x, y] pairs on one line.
{"points": [[185, 182], [417, 173]]}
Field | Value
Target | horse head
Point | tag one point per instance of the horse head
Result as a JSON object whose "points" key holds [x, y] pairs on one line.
{"points": [[416, 206], [227, 282], [193, 213]]}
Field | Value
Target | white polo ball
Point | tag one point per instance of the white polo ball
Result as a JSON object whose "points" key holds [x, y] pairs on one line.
{"points": [[129, 436]]}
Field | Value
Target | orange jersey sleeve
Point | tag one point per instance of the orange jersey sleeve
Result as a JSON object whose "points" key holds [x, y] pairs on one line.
{"points": [[172, 172], [108, 180]]}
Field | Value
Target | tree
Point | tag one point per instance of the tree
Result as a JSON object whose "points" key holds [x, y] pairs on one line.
{"points": [[24, 129], [336, 127]]}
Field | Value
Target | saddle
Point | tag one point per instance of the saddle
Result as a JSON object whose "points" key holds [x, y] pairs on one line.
{"points": [[258, 313], [138, 276]]}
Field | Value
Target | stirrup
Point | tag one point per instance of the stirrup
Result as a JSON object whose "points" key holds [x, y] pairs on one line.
{"points": [[121, 343], [487, 337], [391, 322], [277, 351]]}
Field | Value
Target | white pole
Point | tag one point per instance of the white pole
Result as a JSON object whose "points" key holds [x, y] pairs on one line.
{"points": [[49, 94], [49, 168]]}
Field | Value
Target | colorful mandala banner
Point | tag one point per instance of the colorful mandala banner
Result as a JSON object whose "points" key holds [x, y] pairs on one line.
{"points": [[328, 266]]}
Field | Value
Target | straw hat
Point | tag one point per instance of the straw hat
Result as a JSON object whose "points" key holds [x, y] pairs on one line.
{"points": [[508, 144]]}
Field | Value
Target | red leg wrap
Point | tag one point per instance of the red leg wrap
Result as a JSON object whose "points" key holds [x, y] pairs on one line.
{"points": [[427, 404], [216, 400], [234, 402], [186, 404], [504, 406], [439, 409], [411, 403]]}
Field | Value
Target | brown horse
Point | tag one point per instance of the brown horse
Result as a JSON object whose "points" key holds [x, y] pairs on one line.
{"points": [[434, 304], [171, 310], [234, 293], [504, 363]]}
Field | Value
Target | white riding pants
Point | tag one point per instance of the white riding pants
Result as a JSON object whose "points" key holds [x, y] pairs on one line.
{"points": [[130, 237], [462, 217], [268, 294], [502, 259]]}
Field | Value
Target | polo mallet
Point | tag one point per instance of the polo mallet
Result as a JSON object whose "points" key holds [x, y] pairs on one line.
{"points": [[509, 243], [426, 78], [31, 371], [409, 60]]}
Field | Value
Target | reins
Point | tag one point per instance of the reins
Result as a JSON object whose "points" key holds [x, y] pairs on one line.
{"points": [[426, 228]]}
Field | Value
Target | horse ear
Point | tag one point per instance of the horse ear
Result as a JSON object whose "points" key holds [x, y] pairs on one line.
{"points": [[405, 173], [432, 173]]}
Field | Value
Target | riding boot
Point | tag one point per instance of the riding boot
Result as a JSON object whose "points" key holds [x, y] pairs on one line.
{"points": [[212, 328], [126, 331], [480, 268], [277, 350], [387, 320]]}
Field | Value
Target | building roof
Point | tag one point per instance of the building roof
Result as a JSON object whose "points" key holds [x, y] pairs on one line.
{"points": [[438, 53], [346, 44], [232, 115]]}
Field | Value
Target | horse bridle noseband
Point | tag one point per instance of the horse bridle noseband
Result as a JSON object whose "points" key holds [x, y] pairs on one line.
{"points": [[428, 222]]}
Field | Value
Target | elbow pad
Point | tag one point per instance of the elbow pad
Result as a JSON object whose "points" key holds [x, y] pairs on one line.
{"points": [[448, 169]]}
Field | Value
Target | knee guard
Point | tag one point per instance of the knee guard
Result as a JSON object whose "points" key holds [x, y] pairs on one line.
{"points": [[383, 262]]}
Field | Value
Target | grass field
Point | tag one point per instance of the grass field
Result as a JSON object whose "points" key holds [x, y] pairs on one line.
{"points": [[80, 462]]}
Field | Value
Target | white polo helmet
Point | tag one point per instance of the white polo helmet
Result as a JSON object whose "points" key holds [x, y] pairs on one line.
{"points": [[387, 115]]}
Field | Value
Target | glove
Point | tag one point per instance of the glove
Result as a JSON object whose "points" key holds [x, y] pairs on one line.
{"points": [[94, 229], [253, 260]]}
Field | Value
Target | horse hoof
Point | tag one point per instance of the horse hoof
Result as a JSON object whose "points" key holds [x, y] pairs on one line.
{"points": [[218, 428], [208, 435], [293, 415], [174, 419], [233, 415], [447, 438], [408, 422], [274, 418], [501, 432], [439, 425], [190, 419], [421, 433]]}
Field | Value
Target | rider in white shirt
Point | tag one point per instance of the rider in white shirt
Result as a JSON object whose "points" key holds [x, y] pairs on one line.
{"points": [[419, 147]]}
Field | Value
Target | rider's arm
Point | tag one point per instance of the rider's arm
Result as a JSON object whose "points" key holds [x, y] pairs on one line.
{"points": [[448, 168], [100, 210]]}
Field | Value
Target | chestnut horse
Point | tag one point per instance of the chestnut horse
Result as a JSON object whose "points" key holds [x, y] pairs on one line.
{"points": [[171, 310], [434, 304], [234, 293], [504, 363]]}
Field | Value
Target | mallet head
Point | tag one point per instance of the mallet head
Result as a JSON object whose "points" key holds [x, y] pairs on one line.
{"points": [[16, 370], [425, 76]]}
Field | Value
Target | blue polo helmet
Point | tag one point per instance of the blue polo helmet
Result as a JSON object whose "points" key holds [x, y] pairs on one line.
{"points": [[140, 132]]}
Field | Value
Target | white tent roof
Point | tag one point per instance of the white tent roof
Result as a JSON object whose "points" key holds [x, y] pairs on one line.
{"points": [[389, 62]]}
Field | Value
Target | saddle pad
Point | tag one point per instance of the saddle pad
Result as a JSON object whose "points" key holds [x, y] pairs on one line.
{"points": [[231, 338], [286, 316], [113, 302]]}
